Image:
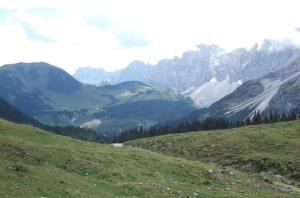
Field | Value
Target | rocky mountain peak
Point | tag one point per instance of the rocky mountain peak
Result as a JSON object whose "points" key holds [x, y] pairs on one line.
{"points": [[195, 68]]}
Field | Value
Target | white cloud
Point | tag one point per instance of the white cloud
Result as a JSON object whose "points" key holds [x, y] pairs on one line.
{"points": [[145, 30]]}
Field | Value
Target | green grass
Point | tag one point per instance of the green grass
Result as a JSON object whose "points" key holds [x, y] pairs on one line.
{"points": [[257, 148], [35, 163]]}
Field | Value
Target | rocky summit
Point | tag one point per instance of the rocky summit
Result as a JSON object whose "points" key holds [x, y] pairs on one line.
{"points": [[211, 63]]}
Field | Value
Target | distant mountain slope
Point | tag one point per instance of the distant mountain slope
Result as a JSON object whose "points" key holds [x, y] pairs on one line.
{"points": [[33, 87], [212, 91], [193, 73], [11, 113], [54, 97], [95, 75], [279, 90], [135, 71], [196, 68]]}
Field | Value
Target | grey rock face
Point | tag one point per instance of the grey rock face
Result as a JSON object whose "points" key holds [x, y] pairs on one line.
{"points": [[278, 90], [135, 71], [195, 68], [95, 75], [104, 82]]}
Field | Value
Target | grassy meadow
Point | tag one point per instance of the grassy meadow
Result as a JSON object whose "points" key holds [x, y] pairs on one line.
{"points": [[35, 163]]}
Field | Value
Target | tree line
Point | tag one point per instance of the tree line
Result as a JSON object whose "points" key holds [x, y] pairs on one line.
{"points": [[201, 125], [185, 126]]}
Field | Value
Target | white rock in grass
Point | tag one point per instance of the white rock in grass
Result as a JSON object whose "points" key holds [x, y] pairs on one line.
{"points": [[196, 194], [210, 171], [168, 189], [182, 166], [95, 185], [231, 173], [266, 173], [227, 189]]}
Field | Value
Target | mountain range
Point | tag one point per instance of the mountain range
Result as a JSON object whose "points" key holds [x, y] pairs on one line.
{"points": [[209, 73], [232, 84], [54, 97], [277, 91], [135, 71]]}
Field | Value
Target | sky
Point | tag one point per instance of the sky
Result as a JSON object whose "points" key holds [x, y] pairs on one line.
{"points": [[111, 34]]}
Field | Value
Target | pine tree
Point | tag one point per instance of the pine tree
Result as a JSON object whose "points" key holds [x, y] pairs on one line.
{"points": [[271, 117], [258, 118], [266, 120], [237, 124], [115, 138], [283, 117], [254, 118], [293, 116], [276, 117], [248, 121], [242, 122]]}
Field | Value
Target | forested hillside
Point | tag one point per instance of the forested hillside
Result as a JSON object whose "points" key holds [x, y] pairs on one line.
{"points": [[11, 113], [54, 97]]}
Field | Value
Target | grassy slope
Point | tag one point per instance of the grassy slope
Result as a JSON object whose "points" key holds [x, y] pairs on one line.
{"points": [[48, 165], [251, 149]]}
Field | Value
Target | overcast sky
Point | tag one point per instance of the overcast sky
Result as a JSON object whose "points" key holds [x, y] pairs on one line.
{"points": [[111, 34]]}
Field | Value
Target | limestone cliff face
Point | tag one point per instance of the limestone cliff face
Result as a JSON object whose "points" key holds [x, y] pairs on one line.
{"points": [[206, 75], [196, 68], [275, 91], [95, 75], [135, 71]]}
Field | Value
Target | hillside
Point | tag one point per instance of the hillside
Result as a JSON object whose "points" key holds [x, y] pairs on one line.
{"points": [[35, 163], [256, 148], [52, 96], [278, 90], [11, 113]]}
